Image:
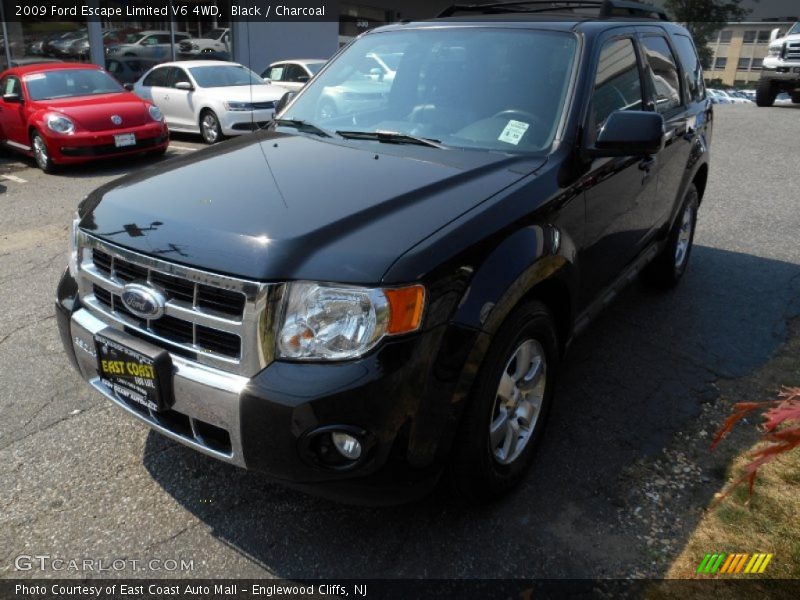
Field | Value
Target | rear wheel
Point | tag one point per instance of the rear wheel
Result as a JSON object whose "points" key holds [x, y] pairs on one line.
{"points": [[766, 93], [40, 153], [506, 414], [670, 265], [210, 127]]}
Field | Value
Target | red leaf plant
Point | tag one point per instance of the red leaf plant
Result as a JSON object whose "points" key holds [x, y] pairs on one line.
{"points": [[781, 429]]}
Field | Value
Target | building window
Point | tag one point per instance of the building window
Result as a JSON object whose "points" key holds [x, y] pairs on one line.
{"points": [[757, 64], [725, 36], [749, 37], [721, 63], [744, 64], [763, 36]]}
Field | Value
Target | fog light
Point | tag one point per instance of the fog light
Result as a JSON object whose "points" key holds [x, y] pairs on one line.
{"points": [[347, 445]]}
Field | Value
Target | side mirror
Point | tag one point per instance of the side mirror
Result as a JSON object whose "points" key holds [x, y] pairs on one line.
{"points": [[630, 133], [12, 98], [303, 79], [267, 80], [284, 102], [128, 86], [184, 85], [773, 35]]}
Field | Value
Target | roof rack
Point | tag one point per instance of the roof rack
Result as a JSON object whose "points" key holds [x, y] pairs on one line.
{"points": [[608, 9]]}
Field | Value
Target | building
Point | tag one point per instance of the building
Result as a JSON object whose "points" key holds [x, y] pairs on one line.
{"points": [[739, 51], [254, 43]]}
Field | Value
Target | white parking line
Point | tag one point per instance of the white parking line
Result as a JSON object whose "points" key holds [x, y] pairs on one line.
{"points": [[184, 148], [14, 178]]}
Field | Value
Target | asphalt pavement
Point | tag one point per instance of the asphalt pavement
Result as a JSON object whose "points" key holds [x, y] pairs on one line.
{"points": [[79, 479]]}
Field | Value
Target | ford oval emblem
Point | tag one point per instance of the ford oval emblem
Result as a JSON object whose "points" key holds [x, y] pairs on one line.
{"points": [[116, 119], [143, 301]]}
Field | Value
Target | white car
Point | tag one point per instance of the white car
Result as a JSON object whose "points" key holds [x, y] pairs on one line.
{"points": [[293, 74], [156, 45], [210, 97], [216, 40]]}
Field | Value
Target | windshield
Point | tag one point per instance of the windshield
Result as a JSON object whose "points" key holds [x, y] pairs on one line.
{"points": [[68, 83], [795, 30], [495, 89], [224, 76], [315, 67]]}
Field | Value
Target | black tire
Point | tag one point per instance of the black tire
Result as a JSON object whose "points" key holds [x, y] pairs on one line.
{"points": [[158, 153], [669, 266], [476, 472], [210, 128], [766, 93], [796, 98], [41, 154]]}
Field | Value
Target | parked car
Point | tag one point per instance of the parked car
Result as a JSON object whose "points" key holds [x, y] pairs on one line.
{"points": [[358, 304], [213, 98], [59, 46], [781, 68], [155, 45], [111, 37], [717, 97], [64, 113], [293, 74], [216, 40], [33, 60], [783, 98], [128, 70]]}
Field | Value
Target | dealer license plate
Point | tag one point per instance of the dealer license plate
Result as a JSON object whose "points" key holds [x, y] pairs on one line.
{"points": [[125, 139], [140, 374]]}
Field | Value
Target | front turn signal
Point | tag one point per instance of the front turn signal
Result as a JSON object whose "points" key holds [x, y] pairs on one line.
{"points": [[406, 306]]}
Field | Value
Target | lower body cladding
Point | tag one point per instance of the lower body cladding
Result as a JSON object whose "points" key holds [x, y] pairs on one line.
{"points": [[376, 430]]}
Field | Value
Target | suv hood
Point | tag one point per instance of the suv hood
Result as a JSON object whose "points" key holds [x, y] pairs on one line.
{"points": [[277, 207]]}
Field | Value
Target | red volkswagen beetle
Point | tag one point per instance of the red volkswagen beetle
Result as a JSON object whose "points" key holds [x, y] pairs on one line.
{"points": [[63, 113]]}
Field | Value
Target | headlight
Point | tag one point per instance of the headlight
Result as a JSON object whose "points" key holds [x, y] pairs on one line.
{"points": [[73, 245], [59, 123], [155, 113], [774, 51], [330, 322], [239, 106]]}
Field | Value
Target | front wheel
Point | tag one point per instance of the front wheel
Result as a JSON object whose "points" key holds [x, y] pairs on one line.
{"points": [[766, 93], [40, 153], [506, 413], [210, 127], [669, 266]]}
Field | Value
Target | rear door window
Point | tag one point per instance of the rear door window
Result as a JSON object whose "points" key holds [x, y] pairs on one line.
{"points": [[692, 69], [664, 79], [617, 84], [157, 78]]}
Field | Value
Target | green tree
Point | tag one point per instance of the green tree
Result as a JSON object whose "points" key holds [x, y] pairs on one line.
{"points": [[704, 19]]}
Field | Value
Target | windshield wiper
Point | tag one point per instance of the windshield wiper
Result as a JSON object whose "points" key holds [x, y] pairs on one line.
{"points": [[391, 137], [303, 126]]}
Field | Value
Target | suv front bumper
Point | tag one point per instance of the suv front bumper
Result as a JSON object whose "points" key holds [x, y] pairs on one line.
{"points": [[404, 397]]}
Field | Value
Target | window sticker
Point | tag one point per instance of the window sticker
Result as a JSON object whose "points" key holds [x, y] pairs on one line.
{"points": [[513, 132], [35, 77]]}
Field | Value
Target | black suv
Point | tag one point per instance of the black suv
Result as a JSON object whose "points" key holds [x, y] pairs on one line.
{"points": [[364, 298]]}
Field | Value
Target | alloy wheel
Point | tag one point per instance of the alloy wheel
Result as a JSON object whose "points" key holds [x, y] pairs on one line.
{"points": [[40, 152], [684, 236], [518, 402], [210, 127]]}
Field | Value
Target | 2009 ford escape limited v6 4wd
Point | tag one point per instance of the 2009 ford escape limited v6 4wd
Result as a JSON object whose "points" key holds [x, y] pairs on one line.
{"points": [[358, 301]]}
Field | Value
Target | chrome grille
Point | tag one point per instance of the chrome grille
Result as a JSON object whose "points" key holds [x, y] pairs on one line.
{"points": [[793, 51], [213, 319]]}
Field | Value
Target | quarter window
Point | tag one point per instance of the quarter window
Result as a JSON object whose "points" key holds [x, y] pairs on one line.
{"points": [[617, 85], [663, 73]]}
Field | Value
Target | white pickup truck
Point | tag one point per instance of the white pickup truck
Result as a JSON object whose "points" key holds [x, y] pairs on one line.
{"points": [[781, 70]]}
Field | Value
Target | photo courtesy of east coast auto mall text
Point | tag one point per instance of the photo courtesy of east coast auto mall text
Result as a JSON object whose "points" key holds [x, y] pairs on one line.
{"points": [[399, 299]]}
